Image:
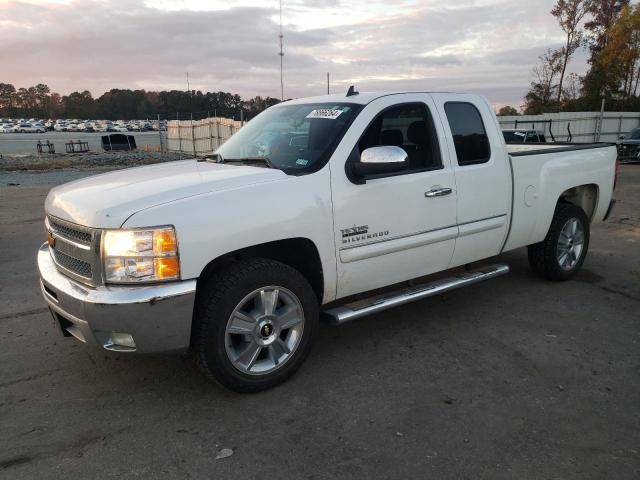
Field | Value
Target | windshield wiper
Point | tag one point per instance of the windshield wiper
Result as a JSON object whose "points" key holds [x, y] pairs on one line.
{"points": [[263, 160]]}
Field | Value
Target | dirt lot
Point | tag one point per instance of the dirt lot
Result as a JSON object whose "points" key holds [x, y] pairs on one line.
{"points": [[513, 379]]}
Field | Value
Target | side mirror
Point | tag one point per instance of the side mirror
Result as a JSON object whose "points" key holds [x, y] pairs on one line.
{"points": [[380, 160]]}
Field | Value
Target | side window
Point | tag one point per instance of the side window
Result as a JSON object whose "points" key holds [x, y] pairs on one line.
{"points": [[409, 127], [469, 136]]}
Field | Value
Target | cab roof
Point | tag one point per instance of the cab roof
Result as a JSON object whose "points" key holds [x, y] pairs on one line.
{"points": [[361, 98]]}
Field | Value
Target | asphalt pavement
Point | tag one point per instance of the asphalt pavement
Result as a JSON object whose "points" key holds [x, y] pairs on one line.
{"points": [[516, 378]]}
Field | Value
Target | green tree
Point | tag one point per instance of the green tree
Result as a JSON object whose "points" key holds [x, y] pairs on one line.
{"points": [[620, 57], [7, 99], [79, 105], [507, 110], [597, 82]]}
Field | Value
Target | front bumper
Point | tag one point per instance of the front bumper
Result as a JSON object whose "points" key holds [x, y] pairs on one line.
{"points": [[156, 317]]}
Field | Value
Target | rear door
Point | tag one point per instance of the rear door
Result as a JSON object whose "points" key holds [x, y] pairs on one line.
{"points": [[389, 228], [482, 175]]}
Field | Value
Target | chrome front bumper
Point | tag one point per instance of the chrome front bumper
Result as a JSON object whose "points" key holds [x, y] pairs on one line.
{"points": [[157, 317]]}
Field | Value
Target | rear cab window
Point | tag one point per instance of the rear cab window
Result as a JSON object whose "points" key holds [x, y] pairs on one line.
{"points": [[469, 134]]}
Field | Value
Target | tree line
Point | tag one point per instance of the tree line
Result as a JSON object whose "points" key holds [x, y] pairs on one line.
{"points": [[610, 32], [122, 104]]}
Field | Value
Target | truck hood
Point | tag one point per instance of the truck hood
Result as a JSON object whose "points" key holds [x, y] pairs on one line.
{"points": [[108, 199]]}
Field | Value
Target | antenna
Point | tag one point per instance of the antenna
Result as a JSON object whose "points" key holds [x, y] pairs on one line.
{"points": [[281, 56]]}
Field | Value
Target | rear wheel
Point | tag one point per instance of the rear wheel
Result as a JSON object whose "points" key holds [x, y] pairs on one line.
{"points": [[561, 254], [254, 324]]}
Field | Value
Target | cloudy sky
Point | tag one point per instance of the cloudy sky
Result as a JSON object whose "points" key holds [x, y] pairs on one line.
{"points": [[479, 46]]}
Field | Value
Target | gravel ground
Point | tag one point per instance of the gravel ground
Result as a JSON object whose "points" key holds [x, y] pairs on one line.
{"points": [[517, 378], [25, 143]]}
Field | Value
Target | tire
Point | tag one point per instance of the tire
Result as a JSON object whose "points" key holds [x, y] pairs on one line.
{"points": [[237, 300], [545, 257]]}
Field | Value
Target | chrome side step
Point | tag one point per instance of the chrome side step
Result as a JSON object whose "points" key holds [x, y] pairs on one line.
{"points": [[345, 313]]}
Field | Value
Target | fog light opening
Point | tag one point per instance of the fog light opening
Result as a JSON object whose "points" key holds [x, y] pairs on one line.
{"points": [[120, 342]]}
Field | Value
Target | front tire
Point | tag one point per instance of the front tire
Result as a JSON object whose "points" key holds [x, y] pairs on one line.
{"points": [[254, 324], [561, 254]]}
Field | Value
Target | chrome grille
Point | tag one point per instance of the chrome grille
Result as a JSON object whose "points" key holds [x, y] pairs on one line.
{"points": [[73, 264], [75, 250], [70, 233]]}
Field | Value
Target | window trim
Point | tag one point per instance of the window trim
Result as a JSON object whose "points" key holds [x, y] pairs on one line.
{"points": [[350, 159], [476, 162]]}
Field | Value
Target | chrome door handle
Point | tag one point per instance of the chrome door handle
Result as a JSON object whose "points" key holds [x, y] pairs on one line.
{"points": [[438, 192]]}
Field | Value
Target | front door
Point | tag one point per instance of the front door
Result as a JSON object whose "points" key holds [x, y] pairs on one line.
{"points": [[397, 226]]}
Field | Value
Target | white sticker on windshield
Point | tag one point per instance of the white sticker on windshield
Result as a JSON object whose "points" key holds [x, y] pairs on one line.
{"points": [[329, 113], [302, 161]]}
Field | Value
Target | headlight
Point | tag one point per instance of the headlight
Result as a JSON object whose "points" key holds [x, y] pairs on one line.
{"points": [[148, 255]]}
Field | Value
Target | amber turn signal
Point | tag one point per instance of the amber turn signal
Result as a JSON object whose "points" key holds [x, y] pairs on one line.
{"points": [[167, 268], [164, 242]]}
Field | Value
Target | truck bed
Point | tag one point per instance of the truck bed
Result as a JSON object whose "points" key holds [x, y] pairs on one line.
{"points": [[548, 172]]}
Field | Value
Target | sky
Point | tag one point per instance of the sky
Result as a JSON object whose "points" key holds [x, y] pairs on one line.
{"points": [[476, 46]]}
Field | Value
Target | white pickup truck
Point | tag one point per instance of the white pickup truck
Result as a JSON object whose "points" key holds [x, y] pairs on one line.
{"points": [[311, 210]]}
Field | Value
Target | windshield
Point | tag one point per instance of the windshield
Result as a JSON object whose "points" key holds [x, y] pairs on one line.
{"points": [[633, 134], [294, 138]]}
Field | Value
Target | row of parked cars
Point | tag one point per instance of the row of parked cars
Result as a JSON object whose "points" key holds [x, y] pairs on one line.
{"points": [[42, 126]]}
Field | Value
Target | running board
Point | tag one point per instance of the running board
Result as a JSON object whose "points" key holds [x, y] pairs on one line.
{"points": [[348, 312]]}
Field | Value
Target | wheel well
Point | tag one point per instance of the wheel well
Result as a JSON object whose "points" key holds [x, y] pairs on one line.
{"points": [[298, 253], [583, 196]]}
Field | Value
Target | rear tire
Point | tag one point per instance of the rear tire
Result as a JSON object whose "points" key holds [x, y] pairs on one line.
{"points": [[561, 254], [254, 325]]}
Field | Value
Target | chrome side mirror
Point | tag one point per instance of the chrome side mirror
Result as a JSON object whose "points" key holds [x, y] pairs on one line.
{"points": [[379, 160], [383, 154]]}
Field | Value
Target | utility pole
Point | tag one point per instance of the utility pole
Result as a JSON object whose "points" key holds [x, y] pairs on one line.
{"points": [[189, 90], [281, 56], [328, 83]]}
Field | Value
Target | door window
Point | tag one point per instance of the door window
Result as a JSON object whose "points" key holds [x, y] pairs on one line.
{"points": [[410, 127]]}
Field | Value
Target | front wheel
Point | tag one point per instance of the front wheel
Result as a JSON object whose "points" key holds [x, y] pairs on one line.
{"points": [[254, 324], [561, 254]]}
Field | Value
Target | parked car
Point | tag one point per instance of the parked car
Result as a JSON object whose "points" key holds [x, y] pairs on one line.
{"points": [[235, 257], [516, 135], [6, 128], [26, 127], [629, 147]]}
